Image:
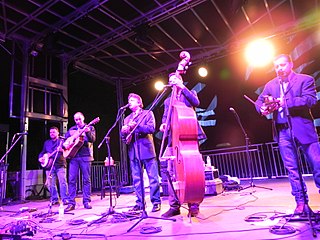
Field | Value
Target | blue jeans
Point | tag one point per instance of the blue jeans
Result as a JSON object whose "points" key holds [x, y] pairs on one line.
{"points": [[290, 159], [61, 174], [75, 165], [151, 166]]}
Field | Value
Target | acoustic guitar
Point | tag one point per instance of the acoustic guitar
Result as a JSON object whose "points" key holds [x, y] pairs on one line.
{"points": [[73, 143], [46, 160]]}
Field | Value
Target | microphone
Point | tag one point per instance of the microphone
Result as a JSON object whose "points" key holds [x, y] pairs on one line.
{"points": [[21, 134], [125, 106], [238, 120]]}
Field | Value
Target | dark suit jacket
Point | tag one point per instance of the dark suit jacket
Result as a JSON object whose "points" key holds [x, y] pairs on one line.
{"points": [[190, 99], [300, 96], [141, 145]]}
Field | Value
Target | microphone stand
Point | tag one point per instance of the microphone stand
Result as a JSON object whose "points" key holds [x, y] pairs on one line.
{"points": [[306, 208], [250, 163], [50, 213], [106, 139], [3, 168]]}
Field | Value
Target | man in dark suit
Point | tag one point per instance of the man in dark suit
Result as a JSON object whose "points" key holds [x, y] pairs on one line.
{"points": [[137, 131], [294, 94], [190, 99]]}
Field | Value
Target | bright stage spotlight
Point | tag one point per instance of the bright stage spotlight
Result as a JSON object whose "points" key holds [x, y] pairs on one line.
{"points": [[259, 53], [159, 85], [203, 72]]}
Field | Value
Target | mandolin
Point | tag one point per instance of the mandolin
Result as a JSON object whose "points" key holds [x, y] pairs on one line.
{"points": [[73, 143]]}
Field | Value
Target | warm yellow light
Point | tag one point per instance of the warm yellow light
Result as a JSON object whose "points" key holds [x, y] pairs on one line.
{"points": [[159, 85], [203, 72], [259, 53]]}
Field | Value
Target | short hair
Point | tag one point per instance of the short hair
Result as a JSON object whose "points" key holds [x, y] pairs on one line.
{"points": [[79, 113], [287, 56], [54, 127], [136, 96]]}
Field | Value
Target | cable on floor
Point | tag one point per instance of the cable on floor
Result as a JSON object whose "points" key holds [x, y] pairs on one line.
{"points": [[149, 230], [282, 230]]}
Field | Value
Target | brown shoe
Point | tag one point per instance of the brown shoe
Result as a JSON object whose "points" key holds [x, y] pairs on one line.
{"points": [[69, 208], [156, 207], [87, 205]]}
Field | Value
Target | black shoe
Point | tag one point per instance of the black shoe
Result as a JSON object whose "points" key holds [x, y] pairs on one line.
{"points": [[55, 203], [137, 208], [170, 213], [69, 208], [87, 205], [156, 207]]}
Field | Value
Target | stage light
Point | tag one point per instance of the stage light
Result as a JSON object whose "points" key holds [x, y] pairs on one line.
{"points": [[203, 72], [259, 53], [159, 85]]}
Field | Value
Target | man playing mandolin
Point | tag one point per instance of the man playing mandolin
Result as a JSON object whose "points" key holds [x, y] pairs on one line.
{"points": [[293, 124], [52, 151], [136, 132], [80, 159]]}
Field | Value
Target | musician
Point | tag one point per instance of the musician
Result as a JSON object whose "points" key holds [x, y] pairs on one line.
{"points": [[141, 151], [294, 126], [190, 99], [81, 161], [52, 147]]}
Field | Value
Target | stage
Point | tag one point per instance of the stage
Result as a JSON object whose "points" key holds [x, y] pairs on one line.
{"points": [[246, 214]]}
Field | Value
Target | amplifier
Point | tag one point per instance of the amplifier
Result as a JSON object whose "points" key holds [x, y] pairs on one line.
{"points": [[211, 174], [213, 187]]}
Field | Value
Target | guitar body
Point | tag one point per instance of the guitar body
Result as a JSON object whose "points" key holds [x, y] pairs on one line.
{"points": [[73, 143], [188, 163], [73, 146]]}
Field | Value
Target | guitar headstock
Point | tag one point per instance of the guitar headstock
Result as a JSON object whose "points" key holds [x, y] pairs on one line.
{"points": [[94, 121]]}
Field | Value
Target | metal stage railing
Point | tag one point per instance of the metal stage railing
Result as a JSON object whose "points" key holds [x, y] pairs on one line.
{"points": [[266, 161]]}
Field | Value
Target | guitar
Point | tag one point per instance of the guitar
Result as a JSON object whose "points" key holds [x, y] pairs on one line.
{"points": [[128, 138], [73, 143], [46, 160]]}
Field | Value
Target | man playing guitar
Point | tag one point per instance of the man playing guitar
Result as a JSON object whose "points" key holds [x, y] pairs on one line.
{"points": [[81, 160], [136, 132], [52, 160]]}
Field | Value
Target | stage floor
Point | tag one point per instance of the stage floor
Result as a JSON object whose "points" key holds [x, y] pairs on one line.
{"points": [[247, 214]]}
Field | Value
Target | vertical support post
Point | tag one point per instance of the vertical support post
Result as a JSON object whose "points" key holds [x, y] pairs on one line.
{"points": [[24, 121], [64, 103]]}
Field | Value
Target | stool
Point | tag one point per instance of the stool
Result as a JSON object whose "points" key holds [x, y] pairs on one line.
{"points": [[113, 181]]}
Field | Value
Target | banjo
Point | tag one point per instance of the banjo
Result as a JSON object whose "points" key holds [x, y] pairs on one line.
{"points": [[46, 160]]}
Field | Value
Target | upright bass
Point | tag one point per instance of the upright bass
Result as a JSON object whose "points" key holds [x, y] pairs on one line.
{"points": [[189, 180]]}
